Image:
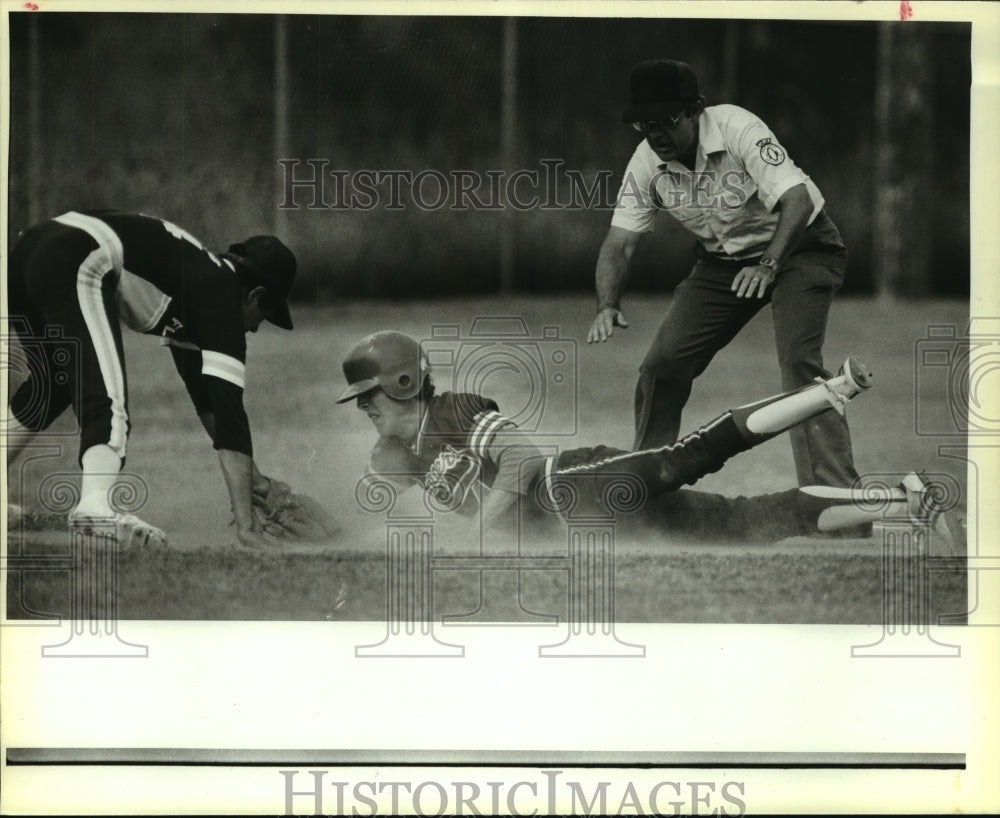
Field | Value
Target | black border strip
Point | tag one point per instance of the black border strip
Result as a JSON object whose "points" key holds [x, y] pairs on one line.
{"points": [[227, 757]]}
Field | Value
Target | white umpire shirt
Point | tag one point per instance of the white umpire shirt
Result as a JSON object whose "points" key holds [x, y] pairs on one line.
{"points": [[728, 200]]}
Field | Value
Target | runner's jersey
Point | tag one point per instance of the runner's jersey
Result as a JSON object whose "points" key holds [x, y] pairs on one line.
{"points": [[461, 447]]}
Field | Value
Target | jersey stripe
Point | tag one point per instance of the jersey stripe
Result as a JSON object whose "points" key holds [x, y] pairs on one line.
{"points": [[223, 366], [486, 425], [597, 465], [88, 292]]}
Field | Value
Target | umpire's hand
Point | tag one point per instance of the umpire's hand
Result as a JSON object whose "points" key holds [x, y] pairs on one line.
{"points": [[604, 323], [755, 278]]}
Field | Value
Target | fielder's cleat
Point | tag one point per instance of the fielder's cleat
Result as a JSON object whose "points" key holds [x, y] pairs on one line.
{"points": [[129, 530], [927, 507], [851, 380]]}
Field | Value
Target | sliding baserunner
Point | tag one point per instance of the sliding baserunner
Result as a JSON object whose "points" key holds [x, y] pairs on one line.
{"points": [[460, 448]]}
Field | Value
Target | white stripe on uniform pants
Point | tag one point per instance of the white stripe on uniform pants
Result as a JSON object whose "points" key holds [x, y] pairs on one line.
{"points": [[105, 260]]}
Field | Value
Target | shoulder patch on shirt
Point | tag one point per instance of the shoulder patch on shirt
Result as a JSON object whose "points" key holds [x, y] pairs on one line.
{"points": [[770, 152]]}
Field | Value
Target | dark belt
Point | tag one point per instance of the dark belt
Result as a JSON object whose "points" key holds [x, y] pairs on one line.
{"points": [[822, 235]]}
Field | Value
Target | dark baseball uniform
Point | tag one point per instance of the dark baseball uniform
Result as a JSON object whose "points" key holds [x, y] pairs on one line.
{"points": [[466, 447], [728, 203], [76, 278]]}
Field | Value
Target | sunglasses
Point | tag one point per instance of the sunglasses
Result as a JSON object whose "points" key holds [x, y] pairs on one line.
{"points": [[646, 125]]}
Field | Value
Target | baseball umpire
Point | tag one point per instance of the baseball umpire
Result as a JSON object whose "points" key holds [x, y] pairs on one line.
{"points": [[762, 236], [461, 450], [74, 279]]}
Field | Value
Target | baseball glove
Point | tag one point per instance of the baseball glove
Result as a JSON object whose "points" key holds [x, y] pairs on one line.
{"points": [[288, 516]]}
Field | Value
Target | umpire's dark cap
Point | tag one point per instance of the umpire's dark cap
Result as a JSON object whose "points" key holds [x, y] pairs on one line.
{"points": [[273, 265], [660, 89]]}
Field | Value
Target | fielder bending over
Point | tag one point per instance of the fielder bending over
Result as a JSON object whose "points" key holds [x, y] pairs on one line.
{"points": [[81, 275]]}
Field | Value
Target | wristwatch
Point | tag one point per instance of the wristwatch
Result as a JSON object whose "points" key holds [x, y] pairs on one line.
{"points": [[770, 263]]}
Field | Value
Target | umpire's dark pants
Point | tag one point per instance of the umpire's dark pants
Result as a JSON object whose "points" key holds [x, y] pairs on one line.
{"points": [[705, 315]]}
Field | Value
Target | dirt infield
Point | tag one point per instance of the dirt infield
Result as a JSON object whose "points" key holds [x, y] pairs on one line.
{"points": [[320, 448]]}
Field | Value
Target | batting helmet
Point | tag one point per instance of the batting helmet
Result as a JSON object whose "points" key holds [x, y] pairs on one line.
{"points": [[391, 360]]}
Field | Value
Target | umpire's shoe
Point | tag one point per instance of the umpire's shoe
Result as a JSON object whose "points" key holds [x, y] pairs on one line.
{"points": [[129, 531], [928, 505]]}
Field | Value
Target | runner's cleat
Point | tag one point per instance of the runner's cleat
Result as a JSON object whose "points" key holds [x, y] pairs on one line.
{"points": [[130, 531], [851, 380], [927, 506]]}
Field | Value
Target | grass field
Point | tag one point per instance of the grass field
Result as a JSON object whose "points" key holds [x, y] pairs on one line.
{"points": [[302, 436]]}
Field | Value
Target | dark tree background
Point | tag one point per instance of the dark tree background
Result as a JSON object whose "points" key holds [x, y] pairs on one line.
{"points": [[175, 115]]}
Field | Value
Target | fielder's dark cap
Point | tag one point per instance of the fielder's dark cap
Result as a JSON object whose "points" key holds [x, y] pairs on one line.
{"points": [[660, 89], [273, 265]]}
